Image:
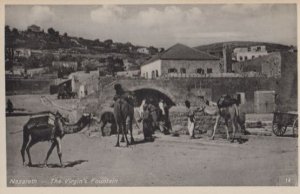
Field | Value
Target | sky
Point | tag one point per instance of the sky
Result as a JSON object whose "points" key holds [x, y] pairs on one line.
{"points": [[163, 25]]}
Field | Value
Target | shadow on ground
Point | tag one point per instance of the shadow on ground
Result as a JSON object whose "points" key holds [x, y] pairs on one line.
{"points": [[142, 141], [242, 140], [66, 164]]}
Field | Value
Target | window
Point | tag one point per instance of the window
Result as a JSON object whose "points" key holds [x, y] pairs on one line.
{"points": [[172, 70], [146, 74], [209, 70], [253, 57], [200, 71], [182, 70], [241, 58], [153, 74], [246, 58], [156, 73]]}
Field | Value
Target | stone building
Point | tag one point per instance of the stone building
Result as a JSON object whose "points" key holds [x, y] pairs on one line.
{"points": [[22, 52], [180, 60], [65, 64], [269, 66], [244, 54], [34, 28]]}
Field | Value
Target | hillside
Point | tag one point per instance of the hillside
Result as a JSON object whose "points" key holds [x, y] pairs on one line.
{"points": [[216, 48], [52, 39], [48, 46]]}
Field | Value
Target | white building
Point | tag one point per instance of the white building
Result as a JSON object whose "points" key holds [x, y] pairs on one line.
{"points": [[34, 28], [132, 71], [244, 54], [22, 52], [66, 64], [181, 60], [143, 50]]}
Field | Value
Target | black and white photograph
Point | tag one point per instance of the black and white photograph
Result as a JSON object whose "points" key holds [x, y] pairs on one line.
{"points": [[150, 95]]}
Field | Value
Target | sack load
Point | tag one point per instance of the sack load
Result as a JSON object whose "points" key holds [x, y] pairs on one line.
{"points": [[211, 110], [226, 101], [40, 121]]}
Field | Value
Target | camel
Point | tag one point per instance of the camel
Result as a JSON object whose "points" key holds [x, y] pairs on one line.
{"points": [[33, 134], [123, 112], [230, 112]]}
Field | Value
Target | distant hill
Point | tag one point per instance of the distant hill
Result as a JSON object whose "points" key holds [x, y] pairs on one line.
{"points": [[216, 48]]}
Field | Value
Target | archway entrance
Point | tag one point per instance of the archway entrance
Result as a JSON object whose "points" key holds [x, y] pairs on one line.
{"points": [[156, 95]]}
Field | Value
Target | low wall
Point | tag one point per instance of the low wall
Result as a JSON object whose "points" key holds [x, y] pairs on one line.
{"points": [[204, 123], [27, 86]]}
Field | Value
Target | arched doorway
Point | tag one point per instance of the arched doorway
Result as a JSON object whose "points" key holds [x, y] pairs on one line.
{"points": [[144, 93]]}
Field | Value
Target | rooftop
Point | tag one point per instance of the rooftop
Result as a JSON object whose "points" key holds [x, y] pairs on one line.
{"points": [[182, 52]]}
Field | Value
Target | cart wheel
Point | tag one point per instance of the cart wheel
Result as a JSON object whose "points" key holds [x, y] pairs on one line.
{"points": [[278, 129]]}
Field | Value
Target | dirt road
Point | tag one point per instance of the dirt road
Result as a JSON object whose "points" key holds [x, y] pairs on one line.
{"points": [[168, 161]]}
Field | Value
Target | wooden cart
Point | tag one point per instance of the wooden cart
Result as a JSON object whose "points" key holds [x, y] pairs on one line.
{"points": [[282, 120]]}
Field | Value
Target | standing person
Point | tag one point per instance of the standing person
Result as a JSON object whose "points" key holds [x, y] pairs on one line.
{"points": [[9, 106], [141, 108], [191, 119], [167, 117], [161, 107], [147, 123], [164, 124], [154, 114], [58, 126]]}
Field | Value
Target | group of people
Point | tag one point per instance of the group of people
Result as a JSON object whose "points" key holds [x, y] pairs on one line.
{"points": [[223, 102], [154, 116], [154, 112]]}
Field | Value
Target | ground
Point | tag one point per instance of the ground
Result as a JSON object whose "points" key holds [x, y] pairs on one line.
{"points": [[168, 161]]}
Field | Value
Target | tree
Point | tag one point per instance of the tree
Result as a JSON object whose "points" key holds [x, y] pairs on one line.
{"points": [[47, 59], [7, 29], [108, 41], [51, 31], [153, 50], [9, 48], [118, 65], [15, 32], [33, 62], [128, 44], [9, 56], [65, 35], [111, 66], [56, 33]]}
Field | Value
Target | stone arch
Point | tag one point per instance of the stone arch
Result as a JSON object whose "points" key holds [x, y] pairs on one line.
{"points": [[142, 92]]}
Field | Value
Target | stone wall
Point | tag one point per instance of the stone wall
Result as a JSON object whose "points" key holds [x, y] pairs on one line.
{"points": [[204, 123], [27, 86], [181, 89], [269, 65], [189, 89]]}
